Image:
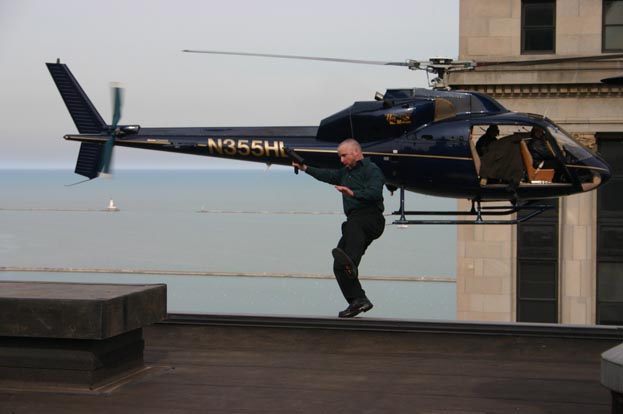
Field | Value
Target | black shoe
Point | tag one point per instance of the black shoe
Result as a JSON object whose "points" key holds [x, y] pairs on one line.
{"points": [[356, 307], [342, 259]]}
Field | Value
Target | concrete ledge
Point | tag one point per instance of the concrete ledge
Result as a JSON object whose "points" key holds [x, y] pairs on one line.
{"points": [[612, 375], [70, 361], [73, 333], [612, 369], [77, 310]]}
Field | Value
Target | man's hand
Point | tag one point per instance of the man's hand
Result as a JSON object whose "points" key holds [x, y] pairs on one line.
{"points": [[345, 190], [302, 167]]}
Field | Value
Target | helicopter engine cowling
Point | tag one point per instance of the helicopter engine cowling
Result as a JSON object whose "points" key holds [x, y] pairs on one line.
{"points": [[374, 120]]}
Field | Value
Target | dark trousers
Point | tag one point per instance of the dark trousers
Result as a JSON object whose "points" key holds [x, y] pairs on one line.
{"points": [[358, 231]]}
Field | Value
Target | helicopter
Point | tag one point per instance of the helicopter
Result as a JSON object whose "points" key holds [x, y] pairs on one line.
{"points": [[423, 140]]}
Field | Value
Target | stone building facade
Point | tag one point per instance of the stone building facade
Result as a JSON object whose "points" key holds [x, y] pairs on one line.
{"points": [[575, 277]]}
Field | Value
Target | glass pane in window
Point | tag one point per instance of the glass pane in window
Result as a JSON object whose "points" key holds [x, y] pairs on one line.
{"points": [[539, 15], [539, 40], [610, 281], [613, 12], [610, 241], [613, 152], [611, 197], [537, 241], [613, 38], [610, 314], [537, 311], [537, 280]]}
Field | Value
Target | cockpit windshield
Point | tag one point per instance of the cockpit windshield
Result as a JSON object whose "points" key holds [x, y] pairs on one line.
{"points": [[567, 143]]}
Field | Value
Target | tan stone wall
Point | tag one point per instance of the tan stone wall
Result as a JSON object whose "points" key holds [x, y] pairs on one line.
{"points": [[572, 96], [579, 115], [578, 27], [485, 271], [490, 29], [578, 239]]}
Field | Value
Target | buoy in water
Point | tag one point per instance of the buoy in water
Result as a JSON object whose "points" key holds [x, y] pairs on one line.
{"points": [[111, 206]]}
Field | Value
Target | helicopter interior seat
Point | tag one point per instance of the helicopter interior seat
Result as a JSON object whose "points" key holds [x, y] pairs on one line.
{"points": [[534, 174], [475, 156]]}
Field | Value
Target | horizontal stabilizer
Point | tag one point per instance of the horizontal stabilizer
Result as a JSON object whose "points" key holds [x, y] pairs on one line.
{"points": [[82, 111], [89, 159]]}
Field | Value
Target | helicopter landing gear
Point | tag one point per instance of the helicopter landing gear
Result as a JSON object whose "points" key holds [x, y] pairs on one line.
{"points": [[535, 207]]}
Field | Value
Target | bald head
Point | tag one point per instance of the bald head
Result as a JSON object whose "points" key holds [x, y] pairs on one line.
{"points": [[350, 153], [350, 144]]}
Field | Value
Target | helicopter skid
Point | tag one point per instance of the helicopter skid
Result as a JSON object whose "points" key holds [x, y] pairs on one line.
{"points": [[478, 210]]}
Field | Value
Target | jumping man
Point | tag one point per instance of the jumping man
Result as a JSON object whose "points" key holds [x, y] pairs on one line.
{"points": [[361, 183]]}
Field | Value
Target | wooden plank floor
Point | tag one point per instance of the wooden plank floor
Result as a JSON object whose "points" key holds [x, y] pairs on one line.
{"points": [[221, 369]]}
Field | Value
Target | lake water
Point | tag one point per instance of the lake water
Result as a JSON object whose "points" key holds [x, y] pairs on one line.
{"points": [[274, 228]]}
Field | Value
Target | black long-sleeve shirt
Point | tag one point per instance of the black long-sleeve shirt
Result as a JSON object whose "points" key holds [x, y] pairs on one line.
{"points": [[365, 180]]}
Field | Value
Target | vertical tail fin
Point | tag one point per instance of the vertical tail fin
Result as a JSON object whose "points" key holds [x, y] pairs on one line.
{"points": [[89, 159], [82, 111], [85, 116]]}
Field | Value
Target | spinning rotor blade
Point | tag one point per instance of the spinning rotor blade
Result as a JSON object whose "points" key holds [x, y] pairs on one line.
{"points": [[550, 60], [323, 59], [117, 98], [415, 64], [440, 66]]}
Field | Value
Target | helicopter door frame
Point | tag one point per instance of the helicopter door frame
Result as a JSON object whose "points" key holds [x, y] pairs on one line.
{"points": [[531, 176], [475, 155], [477, 131]]}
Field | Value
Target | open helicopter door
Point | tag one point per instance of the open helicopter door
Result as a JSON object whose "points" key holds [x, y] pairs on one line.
{"points": [[511, 155]]}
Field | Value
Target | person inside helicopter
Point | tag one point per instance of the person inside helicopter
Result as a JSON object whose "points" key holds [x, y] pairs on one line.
{"points": [[482, 146], [518, 157], [501, 161], [542, 155]]}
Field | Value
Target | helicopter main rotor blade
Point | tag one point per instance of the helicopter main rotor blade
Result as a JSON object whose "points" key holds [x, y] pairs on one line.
{"points": [[323, 59], [551, 60], [431, 65]]}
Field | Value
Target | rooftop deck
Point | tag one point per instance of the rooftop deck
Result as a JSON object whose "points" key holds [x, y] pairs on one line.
{"points": [[219, 364]]}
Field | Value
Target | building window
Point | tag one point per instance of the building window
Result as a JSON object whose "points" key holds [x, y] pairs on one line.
{"points": [[537, 267], [610, 234], [538, 26], [613, 26]]}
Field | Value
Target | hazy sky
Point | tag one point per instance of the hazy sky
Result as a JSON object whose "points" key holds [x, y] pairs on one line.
{"points": [[139, 43]]}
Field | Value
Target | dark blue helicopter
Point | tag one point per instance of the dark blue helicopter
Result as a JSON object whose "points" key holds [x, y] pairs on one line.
{"points": [[423, 140]]}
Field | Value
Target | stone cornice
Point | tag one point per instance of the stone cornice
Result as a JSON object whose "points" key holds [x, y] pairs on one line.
{"points": [[546, 90]]}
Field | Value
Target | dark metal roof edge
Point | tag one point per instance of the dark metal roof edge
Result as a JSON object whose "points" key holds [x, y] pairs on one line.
{"points": [[403, 326], [608, 135]]}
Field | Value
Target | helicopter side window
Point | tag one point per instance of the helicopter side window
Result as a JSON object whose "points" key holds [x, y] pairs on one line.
{"points": [[444, 109]]}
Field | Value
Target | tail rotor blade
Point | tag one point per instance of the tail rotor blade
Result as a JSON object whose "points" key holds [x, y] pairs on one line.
{"points": [[117, 100], [105, 170]]}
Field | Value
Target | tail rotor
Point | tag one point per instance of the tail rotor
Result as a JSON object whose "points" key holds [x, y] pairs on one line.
{"points": [[117, 101]]}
